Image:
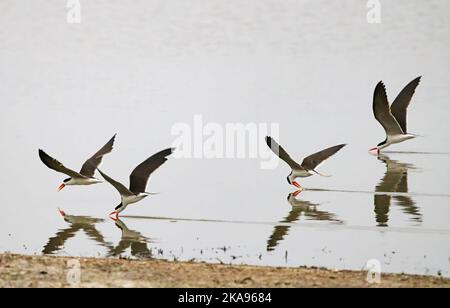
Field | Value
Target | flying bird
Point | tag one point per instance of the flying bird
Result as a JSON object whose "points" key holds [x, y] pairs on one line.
{"points": [[393, 118], [87, 172], [309, 164], [138, 181]]}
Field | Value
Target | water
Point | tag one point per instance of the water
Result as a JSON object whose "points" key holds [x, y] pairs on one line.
{"points": [[137, 68]]}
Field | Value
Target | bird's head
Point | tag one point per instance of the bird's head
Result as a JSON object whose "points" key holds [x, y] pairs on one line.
{"points": [[64, 184]]}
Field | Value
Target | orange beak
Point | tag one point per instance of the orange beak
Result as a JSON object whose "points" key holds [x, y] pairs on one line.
{"points": [[296, 193], [61, 186]]}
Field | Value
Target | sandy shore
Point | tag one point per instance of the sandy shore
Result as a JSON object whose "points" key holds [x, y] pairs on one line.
{"points": [[46, 271]]}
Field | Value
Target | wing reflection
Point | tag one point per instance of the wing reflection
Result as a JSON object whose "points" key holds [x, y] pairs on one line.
{"points": [[133, 240], [76, 223], [299, 207], [395, 179]]}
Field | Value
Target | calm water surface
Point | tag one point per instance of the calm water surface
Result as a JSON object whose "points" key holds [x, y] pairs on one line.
{"points": [[136, 68]]}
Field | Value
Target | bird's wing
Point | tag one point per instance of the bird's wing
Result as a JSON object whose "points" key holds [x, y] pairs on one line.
{"points": [[57, 166], [281, 153], [120, 187], [393, 175], [88, 168], [382, 112], [406, 202], [140, 175], [312, 161], [401, 103]]}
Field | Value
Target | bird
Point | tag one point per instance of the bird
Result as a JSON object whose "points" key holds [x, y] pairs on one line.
{"points": [[309, 164], [87, 172], [138, 181], [393, 118]]}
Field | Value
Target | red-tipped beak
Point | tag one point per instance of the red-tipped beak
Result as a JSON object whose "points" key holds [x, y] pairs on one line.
{"points": [[296, 184], [374, 151], [62, 212], [116, 216], [61, 186]]}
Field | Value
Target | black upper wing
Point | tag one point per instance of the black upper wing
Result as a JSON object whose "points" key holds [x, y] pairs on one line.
{"points": [[281, 153], [401, 103], [89, 167], [56, 165], [119, 186], [312, 161], [140, 175], [382, 111]]}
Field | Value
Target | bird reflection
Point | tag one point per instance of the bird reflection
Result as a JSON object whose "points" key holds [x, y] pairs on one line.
{"points": [[130, 238], [133, 240], [76, 223], [395, 179], [299, 207]]}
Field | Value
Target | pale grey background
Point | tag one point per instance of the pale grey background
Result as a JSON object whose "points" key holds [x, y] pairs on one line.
{"points": [[137, 67]]}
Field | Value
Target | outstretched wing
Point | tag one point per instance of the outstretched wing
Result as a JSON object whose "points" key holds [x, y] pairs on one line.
{"points": [[119, 186], [281, 153], [312, 161], [57, 166], [382, 112], [401, 103], [88, 168], [140, 175]]}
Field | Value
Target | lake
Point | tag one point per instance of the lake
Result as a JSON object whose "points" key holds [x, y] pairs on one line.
{"points": [[137, 68]]}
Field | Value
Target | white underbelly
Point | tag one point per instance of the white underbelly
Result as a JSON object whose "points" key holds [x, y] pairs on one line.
{"points": [[133, 199], [398, 138], [302, 173]]}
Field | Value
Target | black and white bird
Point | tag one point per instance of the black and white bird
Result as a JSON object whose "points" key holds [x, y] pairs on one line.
{"points": [[393, 118], [138, 181], [309, 164], [87, 172]]}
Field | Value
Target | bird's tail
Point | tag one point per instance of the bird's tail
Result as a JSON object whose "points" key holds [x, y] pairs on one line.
{"points": [[324, 175], [415, 135]]}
